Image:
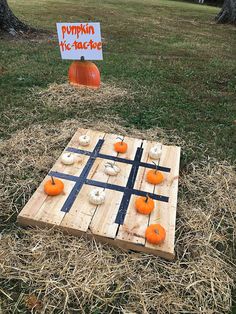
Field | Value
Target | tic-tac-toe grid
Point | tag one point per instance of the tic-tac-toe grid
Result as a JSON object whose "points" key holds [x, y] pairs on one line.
{"points": [[115, 221]]}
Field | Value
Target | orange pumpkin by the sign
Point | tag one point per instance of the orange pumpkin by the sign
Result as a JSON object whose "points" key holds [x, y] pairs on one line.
{"points": [[84, 73]]}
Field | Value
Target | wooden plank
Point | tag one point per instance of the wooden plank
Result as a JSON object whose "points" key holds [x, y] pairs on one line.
{"points": [[94, 137], [141, 183], [99, 221], [44, 208], [103, 222], [32, 206], [82, 211], [50, 212], [39, 197], [135, 224], [97, 172], [74, 169], [165, 213]]}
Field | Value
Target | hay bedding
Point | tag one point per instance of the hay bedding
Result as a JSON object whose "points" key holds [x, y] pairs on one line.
{"points": [[56, 273], [67, 96]]}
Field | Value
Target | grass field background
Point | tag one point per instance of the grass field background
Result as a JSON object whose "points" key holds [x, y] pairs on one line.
{"points": [[177, 63]]}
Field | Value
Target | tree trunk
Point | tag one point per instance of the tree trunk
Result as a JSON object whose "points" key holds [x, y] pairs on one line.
{"points": [[228, 12], [8, 21]]}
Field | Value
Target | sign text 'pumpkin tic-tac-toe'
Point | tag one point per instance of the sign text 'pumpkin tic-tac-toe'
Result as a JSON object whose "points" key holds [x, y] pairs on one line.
{"points": [[78, 40]]}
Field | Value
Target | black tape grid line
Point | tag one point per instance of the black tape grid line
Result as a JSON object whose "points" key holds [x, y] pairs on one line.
{"points": [[128, 190], [124, 204], [118, 159], [81, 179], [108, 186]]}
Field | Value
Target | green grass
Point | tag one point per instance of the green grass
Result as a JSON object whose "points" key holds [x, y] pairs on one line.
{"points": [[172, 50], [178, 61]]}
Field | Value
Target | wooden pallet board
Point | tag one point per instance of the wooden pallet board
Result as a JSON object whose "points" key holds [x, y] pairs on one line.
{"points": [[116, 221]]}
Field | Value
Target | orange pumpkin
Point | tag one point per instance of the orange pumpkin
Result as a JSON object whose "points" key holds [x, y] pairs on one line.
{"points": [[53, 187], [121, 147], [154, 177], [155, 234], [144, 205], [84, 73]]}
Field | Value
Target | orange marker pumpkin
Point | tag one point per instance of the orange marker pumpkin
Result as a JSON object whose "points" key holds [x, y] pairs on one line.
{"points": [[155, 234], [121, 147], [84, 73], [144, 205], [53, 187], [154, 176]]}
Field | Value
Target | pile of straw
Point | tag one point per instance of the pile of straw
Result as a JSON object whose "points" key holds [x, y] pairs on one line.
{"points": [[56, 273]]}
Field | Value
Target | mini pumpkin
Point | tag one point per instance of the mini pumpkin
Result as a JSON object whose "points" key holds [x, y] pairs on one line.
{"points": [[155, 152], [111, 169], [97, 197], [53, 187], [155, 234], [84, 73], [67, 159], [154, 176], [121, 146], [84, 140], [144, 205]]}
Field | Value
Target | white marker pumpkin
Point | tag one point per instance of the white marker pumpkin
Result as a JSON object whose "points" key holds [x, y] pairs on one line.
{"points": [[97, 197], [67, 159], [155, 152], [111, 169], [84, 140]]}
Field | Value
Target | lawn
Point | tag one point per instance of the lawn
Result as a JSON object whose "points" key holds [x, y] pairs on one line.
{"points": [[178, 65], [171, 53]]}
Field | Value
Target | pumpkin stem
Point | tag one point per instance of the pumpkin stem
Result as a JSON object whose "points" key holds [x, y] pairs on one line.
{"points": [[156, 166], [156, 231], [122, 139], [53, 182], [82, 58], [97, 193], [147, 197]]}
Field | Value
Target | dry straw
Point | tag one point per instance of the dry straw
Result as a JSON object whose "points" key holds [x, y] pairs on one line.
{"points": [[56, 273]]}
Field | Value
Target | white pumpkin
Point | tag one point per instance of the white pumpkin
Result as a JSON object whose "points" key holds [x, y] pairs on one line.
{"points": [[97, 197], [111, 169], [84, 140], [155, 152], [67, 159]]}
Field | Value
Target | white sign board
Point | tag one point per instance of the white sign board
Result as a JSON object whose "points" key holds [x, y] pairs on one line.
{"points": [[78, 40]]}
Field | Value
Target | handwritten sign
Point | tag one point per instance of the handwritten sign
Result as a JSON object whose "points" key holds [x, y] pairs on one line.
{"points": [[78, 40]]}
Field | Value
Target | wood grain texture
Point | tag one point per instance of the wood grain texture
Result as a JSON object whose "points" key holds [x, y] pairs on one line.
{"points": [[98, 222], [165, 213], [135, 224]]}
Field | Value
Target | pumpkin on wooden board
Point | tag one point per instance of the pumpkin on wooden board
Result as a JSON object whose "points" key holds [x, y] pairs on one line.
{"points": [[53, 187], [144, 205], [84, 73], [97, 197], [84, 140], [111, 169], [154, 176], [121, 146], [155, 234]]}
